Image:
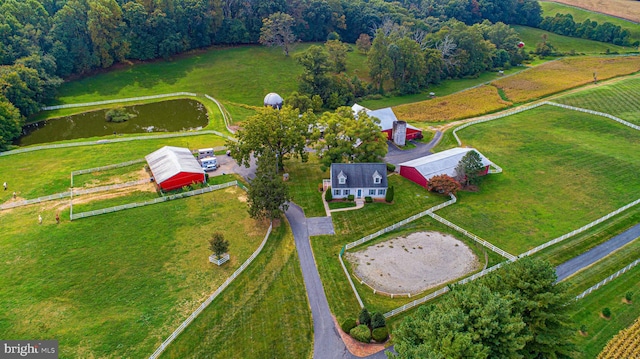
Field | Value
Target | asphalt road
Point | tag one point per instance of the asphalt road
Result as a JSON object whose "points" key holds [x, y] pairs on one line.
{"points": [[593, 255], [327, 343], [397, 156]]}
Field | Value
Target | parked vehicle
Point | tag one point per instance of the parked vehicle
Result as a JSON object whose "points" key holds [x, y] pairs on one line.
{"points": [[209, 163]]}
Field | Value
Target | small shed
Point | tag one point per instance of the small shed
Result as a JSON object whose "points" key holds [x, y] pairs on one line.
{"points": [[422, 169], [174, 167]]}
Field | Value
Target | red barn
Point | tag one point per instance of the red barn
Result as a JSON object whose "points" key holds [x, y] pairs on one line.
{"points": [[387, 117], [174, 167], [422, 169]]}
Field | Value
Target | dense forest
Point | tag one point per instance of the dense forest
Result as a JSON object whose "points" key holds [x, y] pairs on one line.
{"points": [[43, 41]]}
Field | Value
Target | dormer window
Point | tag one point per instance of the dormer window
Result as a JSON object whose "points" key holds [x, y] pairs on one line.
{"points": [[377, 178], [342, 179]]}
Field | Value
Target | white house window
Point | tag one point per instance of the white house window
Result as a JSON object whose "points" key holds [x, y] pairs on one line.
{"points": [[346, 192], [372, 192], [381, 192], [376, 177], [342, 179], [336, 192]]}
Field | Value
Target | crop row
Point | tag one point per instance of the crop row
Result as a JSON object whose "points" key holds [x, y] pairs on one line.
{"points": [[626, 344]]}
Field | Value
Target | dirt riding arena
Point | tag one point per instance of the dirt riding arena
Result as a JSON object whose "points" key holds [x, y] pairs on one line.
{"points": [[413, 263]]}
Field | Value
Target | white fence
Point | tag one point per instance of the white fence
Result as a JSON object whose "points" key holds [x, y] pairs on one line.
{"points": [[416, 302], [141, 98], [608, 279], [223, 111], [153, 201], [106, 168], [35, 200], [635, 127], [579, 230], [473, 236], [213, 296]]}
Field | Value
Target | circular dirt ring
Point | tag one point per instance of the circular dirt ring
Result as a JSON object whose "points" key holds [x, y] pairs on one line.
{"points": [[413, 263]]}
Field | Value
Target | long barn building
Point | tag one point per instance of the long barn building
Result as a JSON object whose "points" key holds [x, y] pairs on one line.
{"points": [[422, 169], [174, 167]]}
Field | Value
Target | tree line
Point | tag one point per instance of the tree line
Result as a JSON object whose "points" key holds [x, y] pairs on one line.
{"points": [[564, 24]]}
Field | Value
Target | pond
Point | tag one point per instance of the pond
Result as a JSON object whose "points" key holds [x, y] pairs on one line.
{"points": [[165, 116]]}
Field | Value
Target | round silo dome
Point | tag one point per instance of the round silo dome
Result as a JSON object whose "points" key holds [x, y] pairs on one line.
{"points": [[273, 100]]}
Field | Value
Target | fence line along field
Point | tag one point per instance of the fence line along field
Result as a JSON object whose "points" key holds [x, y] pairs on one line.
{"points": [[472, 102], [563, 74], [621, 99], [562, 170], [625, 344]]}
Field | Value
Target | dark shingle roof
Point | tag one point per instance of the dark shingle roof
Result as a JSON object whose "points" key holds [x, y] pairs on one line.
{"points": [[359, 175]]}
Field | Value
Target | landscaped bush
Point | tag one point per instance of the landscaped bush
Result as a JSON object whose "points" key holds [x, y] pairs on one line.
{"points": [[348, 324], [389, 196], [377, 320], [391, 167], [328, 196], [368, 199], [628, 296], [361, 333], [380, 334], [364, 318], [350, 197], [606, 312]]}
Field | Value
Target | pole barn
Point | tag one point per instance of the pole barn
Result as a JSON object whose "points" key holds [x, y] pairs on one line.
{"points": [[174, 167], [422, 169]]}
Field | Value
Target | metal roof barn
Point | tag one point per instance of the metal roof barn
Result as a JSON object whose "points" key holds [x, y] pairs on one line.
{"points": [[422, 169], [174, 167]]}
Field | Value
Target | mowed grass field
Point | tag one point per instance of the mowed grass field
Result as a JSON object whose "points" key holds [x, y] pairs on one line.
{"points": [[566, 44], [563, 74], [45, 172], [562, 170], [599, 330], [116, 285], [263, 314], [579, 15], [621, 99]]}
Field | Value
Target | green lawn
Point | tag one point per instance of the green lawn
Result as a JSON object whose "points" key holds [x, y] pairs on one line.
{"points": [[143, 269], [531, 36], [562, 170], [621, 99], [304, 179], [580, 15], [600, 331], [263, 314], [40, 173]]}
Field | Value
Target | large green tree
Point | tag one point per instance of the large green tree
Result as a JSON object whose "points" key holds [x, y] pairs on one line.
{"points": [[341, 137], [277, 30], [314, 79], [468, 170], [379, 60], [10, 123], [283, 132], [268, 195], [105, 25]]}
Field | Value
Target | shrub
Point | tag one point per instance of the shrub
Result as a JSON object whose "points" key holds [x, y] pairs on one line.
{"points": [[380, 334], [118, 114], [391, 167], [364, 317], [350, 197], [583, 329], [328, 196], [628, 296], [361, 333], [348, 324], [368, 199], [377, 320], [606, 312], [389, 196]]}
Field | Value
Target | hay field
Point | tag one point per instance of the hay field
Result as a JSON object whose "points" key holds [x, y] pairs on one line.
{"points": [[626, 9], [472, 102], [556, 76]]}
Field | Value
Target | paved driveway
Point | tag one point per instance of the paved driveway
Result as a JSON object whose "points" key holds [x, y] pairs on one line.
{"points": [[397, 156]]}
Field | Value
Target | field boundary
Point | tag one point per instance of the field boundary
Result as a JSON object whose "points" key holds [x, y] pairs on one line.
{"points": [[608, 279], [213, 296], [579, 230], [97, 212]]}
